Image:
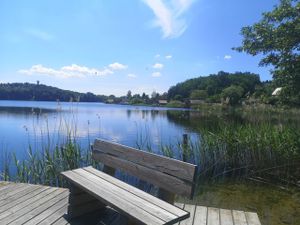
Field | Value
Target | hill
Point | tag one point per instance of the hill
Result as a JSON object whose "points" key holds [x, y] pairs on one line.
{"points": [[40, 92], [214, 87]]}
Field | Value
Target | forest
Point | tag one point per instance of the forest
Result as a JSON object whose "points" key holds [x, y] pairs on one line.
{"points": [[40, 92]]}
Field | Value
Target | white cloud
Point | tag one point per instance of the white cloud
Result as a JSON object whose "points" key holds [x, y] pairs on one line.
{"points": [[157, 55], [117, 66], [131, 75], [169, 56], [39, 34], [156, 74], [227, 57], [66, 71], [158, 66], [168, 15]]}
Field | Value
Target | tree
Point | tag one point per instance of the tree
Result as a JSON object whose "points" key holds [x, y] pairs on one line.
{"points": [[233, 94], [129, 95], [198, 94], [277, 37]]}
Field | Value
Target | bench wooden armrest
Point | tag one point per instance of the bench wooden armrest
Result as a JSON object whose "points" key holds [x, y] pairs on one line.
{"points": [[128, 200]]}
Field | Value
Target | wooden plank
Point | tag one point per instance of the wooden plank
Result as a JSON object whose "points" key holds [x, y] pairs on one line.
{"points": [[143, 204], [55, 216], [114, 201], [14, 212], [11, 191], [213, 216], [239, 217], [61, 221], [5, 186], [191, 210], [157, 178], [39, 213], [200, 215], [27, 189], [25, 197], [252, 218], [226, 217], [156, 162], [137, 192], [179, 205]]}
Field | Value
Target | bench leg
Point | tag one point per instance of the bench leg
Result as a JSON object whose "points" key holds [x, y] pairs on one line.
{"points": [[81, 203]]}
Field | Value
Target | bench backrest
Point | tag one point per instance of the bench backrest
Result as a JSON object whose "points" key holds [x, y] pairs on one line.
{"points": [[169, 174]]}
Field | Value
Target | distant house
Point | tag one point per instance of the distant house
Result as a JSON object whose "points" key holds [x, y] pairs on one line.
{"points": [[277, 91], [162, 102], [196, 101]]}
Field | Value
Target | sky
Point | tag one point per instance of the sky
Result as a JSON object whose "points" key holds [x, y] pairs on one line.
{"points": [[110, 47]]}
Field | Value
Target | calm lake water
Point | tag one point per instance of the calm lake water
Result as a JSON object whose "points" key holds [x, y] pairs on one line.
{"points": [[36, 124]]}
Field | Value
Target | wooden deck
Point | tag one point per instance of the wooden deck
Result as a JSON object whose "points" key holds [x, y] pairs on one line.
{"points": [[35, 204]]}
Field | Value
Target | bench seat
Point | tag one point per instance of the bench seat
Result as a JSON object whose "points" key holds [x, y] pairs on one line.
{"points": [[128, 200]]}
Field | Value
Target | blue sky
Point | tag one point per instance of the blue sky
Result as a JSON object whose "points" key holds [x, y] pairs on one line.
{"points": [[110, 47]]}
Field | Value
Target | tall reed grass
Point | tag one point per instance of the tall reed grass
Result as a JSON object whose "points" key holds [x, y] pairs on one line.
{"points": [[229, 149]]}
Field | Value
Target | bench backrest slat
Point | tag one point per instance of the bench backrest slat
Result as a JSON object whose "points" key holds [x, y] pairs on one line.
{"points": [[172, 175]]}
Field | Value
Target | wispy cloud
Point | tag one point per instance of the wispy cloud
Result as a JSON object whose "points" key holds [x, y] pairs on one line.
{"points": [[73, 70], [168, 56], [169, 15], [157, 56], [158, 66], [227, 57], [117, 66], [131, 75], [156, 74], [39, 34]]}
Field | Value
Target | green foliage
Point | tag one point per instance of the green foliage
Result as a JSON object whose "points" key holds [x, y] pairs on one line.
{"points": [[198, 94], [213, 85], [175, 104], [233, 94], [39, 92], [277, 37]]}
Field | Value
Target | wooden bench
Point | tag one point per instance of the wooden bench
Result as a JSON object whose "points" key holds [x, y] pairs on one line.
{"points": [[92, 189]]}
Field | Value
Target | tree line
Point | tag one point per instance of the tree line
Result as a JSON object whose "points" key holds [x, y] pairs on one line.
{"points": [[40, 92]]}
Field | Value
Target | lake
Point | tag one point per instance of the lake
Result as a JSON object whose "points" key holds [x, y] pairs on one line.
{"points": [[36, 124], [43, 125]]}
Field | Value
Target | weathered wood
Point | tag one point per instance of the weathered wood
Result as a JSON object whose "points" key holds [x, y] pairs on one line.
{"points": [[213, 216], [128, 196], [46, 215], [252, 218], [156, 162], [27, 189], [226, 217], [191, 209], [61, 221], [39, 206], [114, 201], [11, 191], [200, 215], [157, 178], [239, 217], [136, 191], [42, 211], [23, 199], [166, 196], [21, 211]]}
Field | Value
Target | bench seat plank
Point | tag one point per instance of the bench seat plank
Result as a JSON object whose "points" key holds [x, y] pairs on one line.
{"points": [[166, 206], [128, 201]]}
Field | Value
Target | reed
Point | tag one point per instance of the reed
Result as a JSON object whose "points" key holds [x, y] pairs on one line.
{"points": [[227, 149]]}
